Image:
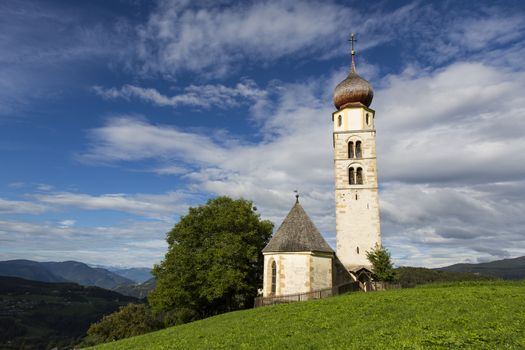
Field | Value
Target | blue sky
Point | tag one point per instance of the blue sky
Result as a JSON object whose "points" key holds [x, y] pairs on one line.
{"points": [[116, 116]]}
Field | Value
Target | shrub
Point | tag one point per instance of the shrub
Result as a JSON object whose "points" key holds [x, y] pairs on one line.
{"points": [[128, 321]]}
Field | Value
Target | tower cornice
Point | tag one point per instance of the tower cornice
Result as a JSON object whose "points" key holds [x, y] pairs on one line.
{"points": [[353, 106], [354, 131]]}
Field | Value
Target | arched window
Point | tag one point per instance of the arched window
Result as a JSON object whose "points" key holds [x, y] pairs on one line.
{"points": [[357, 250], [359, 177], [358, 152], [351, 176], [350, 149], [367, 119], [339, 121], [274, 277]]}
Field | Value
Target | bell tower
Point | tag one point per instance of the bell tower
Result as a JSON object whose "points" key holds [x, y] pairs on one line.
{"points": [[356, 190]]}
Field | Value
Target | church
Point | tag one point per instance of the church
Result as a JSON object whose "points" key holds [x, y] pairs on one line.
{"points": [[298, 259]]}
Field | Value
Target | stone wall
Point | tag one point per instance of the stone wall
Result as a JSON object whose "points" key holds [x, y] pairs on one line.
{"points": [[357, 205]]}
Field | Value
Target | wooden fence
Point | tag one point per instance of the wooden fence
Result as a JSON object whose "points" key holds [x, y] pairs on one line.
{"points": [[374, 286], [317, 294]]}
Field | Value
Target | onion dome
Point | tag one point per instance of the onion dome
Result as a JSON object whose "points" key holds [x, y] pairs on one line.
{"points": [[353, 89]]}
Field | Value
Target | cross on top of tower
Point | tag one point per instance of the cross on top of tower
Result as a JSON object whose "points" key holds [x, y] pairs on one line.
{"points": [[352, 40]]}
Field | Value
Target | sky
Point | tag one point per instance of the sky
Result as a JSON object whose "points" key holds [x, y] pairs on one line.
{"points": [[117, 116]]}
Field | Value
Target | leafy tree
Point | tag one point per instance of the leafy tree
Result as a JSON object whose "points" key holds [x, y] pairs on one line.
{"points": [[214, 262], [128, 321], [382, 267]]}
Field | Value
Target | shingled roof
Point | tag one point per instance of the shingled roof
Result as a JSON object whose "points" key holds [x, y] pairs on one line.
{"points": [[297, 233]]}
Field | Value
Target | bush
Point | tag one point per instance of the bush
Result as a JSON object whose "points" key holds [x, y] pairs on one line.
{"points": [[128, 321], [382, 267], [179, 316]]}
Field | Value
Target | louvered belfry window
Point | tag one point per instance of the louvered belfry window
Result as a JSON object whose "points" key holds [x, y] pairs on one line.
{"points": [[350, 149], [359, 177], [358, 152]]}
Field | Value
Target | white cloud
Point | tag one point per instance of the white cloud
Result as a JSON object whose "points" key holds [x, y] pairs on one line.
{"points": [[458, 124], [194, 95], [258, 171], [129, 139], [21, 207], [210, 40], [67, 223], [103, 245], [155, 244], [469, 221], [44, 187], [158, 206]]}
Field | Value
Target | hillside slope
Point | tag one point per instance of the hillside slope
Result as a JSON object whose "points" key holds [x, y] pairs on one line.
{"points": [[510, 269], [138, 290], [474, 315], [412, 276], [40, 315]]}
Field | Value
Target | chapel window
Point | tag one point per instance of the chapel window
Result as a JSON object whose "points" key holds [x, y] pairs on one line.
{"points": [[367, 119], [357, 250], [274, 277], [358, 152], [351, 176], [339, 121], [359, 176], [350, 149]]}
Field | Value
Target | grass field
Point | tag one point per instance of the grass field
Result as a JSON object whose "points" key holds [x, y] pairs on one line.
{"points": [[474, 315]]}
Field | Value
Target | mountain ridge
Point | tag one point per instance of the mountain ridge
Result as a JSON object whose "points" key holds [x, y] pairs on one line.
{"points": [[510, 269], [65, 271]]}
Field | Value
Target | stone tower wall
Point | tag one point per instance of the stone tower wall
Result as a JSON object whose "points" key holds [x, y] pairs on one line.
{"points": [[357, 205]]}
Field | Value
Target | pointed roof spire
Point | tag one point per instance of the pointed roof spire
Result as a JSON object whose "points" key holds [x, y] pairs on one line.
{"points": [[297, 233], [353, 40]]}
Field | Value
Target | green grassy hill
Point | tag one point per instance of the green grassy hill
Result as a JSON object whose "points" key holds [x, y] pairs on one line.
{"points": [[472, 315]]}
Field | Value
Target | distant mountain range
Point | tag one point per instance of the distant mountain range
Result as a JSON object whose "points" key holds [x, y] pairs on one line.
{"points": [[29, 270], [138, 290], [509, 269], [137, 274], [136, 282]]}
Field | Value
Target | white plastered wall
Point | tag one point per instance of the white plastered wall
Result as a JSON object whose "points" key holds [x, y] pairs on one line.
{"points": [[297, 272]]}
